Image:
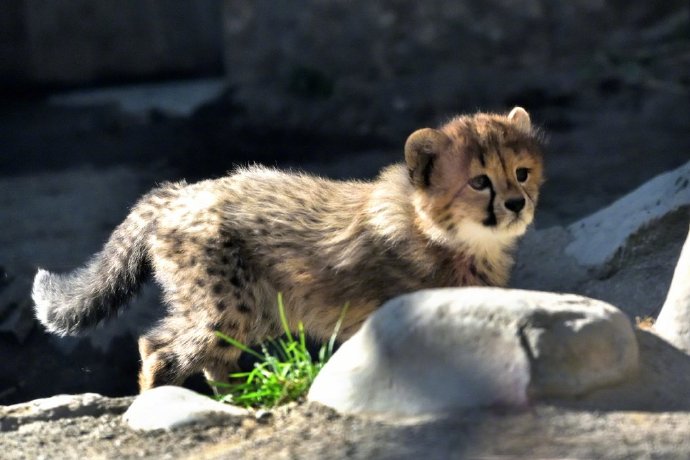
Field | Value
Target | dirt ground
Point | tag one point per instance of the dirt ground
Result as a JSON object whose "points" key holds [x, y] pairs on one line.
{"points": [[313, 432]]}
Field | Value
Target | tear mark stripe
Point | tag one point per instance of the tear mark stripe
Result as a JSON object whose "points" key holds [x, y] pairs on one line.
{"points": [[490, 220]]}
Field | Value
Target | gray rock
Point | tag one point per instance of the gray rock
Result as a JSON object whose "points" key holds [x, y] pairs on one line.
{"points": [[59, 407], [620, 254], [599, 237], [673, 323], [442, 350], [542, 265], [179, 98], [168, 407]]}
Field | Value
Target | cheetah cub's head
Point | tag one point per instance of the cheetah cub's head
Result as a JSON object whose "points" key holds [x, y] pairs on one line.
{"points": [[477, 178]]}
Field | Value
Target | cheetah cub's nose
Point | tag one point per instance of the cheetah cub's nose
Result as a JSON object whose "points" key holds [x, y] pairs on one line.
{"points": [[515, 204]]}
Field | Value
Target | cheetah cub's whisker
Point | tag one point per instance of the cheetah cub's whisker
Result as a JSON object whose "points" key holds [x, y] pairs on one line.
{"points": [[222, 249]]}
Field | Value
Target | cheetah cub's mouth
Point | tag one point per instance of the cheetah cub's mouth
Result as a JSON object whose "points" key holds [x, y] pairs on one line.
{"points": [[476, 178]]}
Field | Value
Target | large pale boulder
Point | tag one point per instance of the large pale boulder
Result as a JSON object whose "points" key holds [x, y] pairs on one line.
{"points": [[673, 322], [441, 350]]}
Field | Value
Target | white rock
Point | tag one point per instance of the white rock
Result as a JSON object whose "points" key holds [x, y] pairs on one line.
{"points": [[673, 322], [598, 237], [439, 350], [168, 407]]}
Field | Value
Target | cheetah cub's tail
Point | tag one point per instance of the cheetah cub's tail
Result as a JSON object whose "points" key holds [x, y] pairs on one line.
{"points": [[68, 304]]}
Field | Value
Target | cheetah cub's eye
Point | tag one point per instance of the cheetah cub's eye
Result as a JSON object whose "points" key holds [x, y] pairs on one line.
{"points": [[480, 182], [521, 174]]}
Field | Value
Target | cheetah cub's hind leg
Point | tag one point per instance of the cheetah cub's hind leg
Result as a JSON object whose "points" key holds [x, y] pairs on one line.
{"points": [[170, 354], [159, 364], [221, 359], [220, 372]]}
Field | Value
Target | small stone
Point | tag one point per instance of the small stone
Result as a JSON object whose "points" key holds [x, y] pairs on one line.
{"points": [[263, 416], [168, 407], [438, 351]]}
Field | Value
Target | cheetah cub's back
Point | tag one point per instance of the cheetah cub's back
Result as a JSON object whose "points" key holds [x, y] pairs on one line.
{"points": [[222, 249]]}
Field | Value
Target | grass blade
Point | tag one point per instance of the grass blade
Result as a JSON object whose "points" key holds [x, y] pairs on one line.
{"points": [[239, 345], [283, 317], [336, 329]]}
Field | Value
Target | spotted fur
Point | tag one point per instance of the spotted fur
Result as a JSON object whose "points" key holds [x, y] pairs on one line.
{"points": [[223, 249]]}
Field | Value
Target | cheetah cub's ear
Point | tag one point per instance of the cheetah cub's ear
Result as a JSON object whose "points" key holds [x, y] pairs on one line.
{"points": [[520, 118], [421, 150]]}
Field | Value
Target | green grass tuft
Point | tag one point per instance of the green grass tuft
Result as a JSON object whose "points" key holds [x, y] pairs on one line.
{"points": [[280, 376]]}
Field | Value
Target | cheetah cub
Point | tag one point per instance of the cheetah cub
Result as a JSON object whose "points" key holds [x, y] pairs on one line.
{"points": [[223, 249]]}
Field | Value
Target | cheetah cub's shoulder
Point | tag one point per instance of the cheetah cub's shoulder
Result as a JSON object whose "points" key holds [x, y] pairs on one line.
{"points": [[222, 249]]}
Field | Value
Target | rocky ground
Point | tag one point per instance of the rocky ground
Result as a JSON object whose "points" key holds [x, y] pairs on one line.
{"points": [[313, 431]]}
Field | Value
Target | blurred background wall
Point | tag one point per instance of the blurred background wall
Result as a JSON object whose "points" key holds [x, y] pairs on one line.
{"points": [[77, 42], [369, 67], [383, 67]]}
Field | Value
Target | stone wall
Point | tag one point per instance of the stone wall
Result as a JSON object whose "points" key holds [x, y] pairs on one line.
{"points": [[82, 41]]}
